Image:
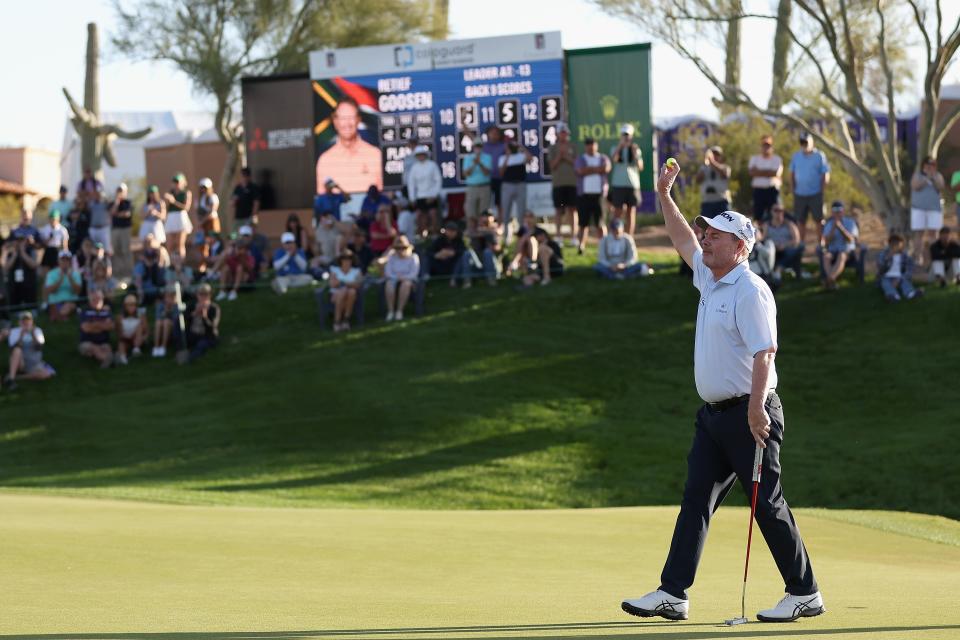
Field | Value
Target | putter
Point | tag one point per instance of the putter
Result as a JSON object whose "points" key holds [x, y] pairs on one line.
{"points": [[757, 465]]}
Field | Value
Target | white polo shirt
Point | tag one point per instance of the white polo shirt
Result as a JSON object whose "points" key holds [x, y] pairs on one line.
{"points": [[736, 319]]}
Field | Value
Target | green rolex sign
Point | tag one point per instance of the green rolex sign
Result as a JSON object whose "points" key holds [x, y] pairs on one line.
{"points": [[608, 88]]}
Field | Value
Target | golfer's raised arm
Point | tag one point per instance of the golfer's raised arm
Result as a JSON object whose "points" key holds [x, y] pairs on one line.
{"points": [[681, 235]]}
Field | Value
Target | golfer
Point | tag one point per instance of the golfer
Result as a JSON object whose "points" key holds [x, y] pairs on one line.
{"points": [[736, 341]]}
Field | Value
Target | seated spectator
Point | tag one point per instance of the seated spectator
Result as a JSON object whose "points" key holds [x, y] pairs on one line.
{"points": [[617, 255], [26, 352], [785, 235], [895, 271], [945, 257], [552, 249], [407, 222], [402, 270], [346, 280], [361, 250], [167, 317], [330, 201], [237, 268], [178, 272], [202, 324], [62, 288], [259, 244], [327, 245], [762, 258], [149, 275], [211, 258], [132, 329], [300, 234], [838, 243], [446, 253], [92, 252], [290, 265], [100, 278], [96, 323], [532, 259], [481, 256], [383, 231], [371, 205]]}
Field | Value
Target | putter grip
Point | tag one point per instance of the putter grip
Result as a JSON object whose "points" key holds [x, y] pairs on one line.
{"points": [[757, 462]]}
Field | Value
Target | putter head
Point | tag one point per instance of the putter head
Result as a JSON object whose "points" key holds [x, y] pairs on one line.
{"points": [[735, 621]]}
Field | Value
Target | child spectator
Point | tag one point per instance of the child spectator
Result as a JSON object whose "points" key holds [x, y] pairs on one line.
{"points": [[290, 265], [617, 255], [236, 269], [203, 328], [96, 323], [945, 258], [895, 271], [167, 317], [62, 288], [132, 329], [402, 271], [346, 280], [26, 352]]}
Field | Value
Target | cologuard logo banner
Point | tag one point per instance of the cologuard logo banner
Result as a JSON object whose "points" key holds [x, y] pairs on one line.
{"points": [[370, 101], [608, 88]]}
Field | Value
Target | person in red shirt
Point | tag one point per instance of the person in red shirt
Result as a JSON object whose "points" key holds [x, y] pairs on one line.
{"points": [[383, 230]]}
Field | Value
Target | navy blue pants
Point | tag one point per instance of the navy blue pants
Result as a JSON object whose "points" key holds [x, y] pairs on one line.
{"points": [[722, 452]]}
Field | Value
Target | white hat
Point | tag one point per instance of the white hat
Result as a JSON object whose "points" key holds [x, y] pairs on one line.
{"points": [[206, 183], [245, 230], [287, 237], [421, 148], [731, 222], [122, 186], [562, 126], [627, 129], [329, 180]]}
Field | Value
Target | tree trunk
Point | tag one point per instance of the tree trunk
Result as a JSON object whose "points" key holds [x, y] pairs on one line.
{"points": [[734, 30], [89, 140], [781, 55], [231, 167]]}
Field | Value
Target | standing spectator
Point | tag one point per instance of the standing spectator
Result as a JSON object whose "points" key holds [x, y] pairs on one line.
{"points": [[346, 279], [408, 161], [179, 201], [402, 271], [99, 221], [121, 214], [208, 216], [300, 234], [88, 183], [238, 267], [327, 245], [591, 168], [62, 287], [332, 198], [166, 319], [714, 180], [617, 255], [561, 158], [96, 323], [154, 217], [54, 238], [838, 244], [63, 205], [766, 169], [20, 262], [132, 329], [360, 249], [495, 147], [446, 253], [926, 205], [809, 176], [513, 188], [290, 265], [424, 185], [372, 202], [26, 228], [203, 323], [245, 198], [477, 168], [625, 179], [26, 352], [945, 258], [149, 276], [481, 256], [77, 223], [785, 236], [895, 271], [383, 231]]}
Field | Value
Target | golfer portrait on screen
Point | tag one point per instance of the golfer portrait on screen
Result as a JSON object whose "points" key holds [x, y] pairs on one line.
{"points": [[351, 161]]}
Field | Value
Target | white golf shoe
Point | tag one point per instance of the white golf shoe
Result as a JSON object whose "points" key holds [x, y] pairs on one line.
{"points": [[792, 607], [657, 603]]}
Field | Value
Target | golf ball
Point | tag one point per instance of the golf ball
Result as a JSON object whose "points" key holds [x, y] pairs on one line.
{"points": [[671, 162]]}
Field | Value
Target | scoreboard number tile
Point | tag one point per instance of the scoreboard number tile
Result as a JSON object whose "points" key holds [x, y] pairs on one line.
{"points": [[508, 112], [468, 115], [551, 108]]}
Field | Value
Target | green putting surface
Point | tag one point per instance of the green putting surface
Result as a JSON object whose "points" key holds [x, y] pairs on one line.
{"points": [[79, 568]]}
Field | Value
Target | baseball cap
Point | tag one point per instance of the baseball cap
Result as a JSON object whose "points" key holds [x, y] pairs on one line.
{"points": [[63, 188], [717, 149], [731, 222], [837, 205], [65, 254], [804, 136], [589, 140], [23, 315], [122, 186], [178, 177], [617, 223], [54, 214], [562, 126], [626, 129], [329, 180], [245, 230], [421, 148], [287, 237], [154, 189], [206, 183]]}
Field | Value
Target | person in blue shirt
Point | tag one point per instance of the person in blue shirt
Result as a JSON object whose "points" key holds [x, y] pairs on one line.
{"points": [[331, 200], [290, 265], [371, 203], [477, 169], [838, 244], [809, 175]]}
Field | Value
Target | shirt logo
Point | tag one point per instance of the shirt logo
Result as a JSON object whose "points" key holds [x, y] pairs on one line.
{"points": [[722, 308]]}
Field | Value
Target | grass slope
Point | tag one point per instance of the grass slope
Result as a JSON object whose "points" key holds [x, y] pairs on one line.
{"points": [[79, 569], [575, 395]]}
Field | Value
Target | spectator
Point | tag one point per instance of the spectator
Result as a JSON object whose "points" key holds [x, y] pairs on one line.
{"points": [[446, 253], [625, 179], [132, 329], [763, 257], [838, 243], [332, 198], [178, 272], [237, 268], [179, 201], [149, 276], [926, 205], [290, 265], [300, 234], [203, 324], [477, 168], [99, 277], [258, 243], [955, 185], [167, 317], [20, 262], [561, 158], [495, 147], [96, 323], [617, 255], [809, 176], [360, 249], [245, 198], [208, 215], [408, 161], [407, 222], [481, 256], [766, 169], [370, 205], [54, 238], [714, 180], [121, 215], [26, 228], [945, 258], [63, 205], [402, 271], [77, 224], [88, 183], [895, 271], [591, 168], [424, 184], [346, 280], [62, 287], [100, 231], [90, 254], [785, 236], [554, 256], [382, 231], [154, 217], [327, 245], [26, 352], [513, 188]]}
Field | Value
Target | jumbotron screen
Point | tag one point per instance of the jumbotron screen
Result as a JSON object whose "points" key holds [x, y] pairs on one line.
{"points": [[370, 102]]}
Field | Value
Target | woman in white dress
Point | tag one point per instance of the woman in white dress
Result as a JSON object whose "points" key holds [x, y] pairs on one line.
{"points": [[178, 226], [154, 216]]}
